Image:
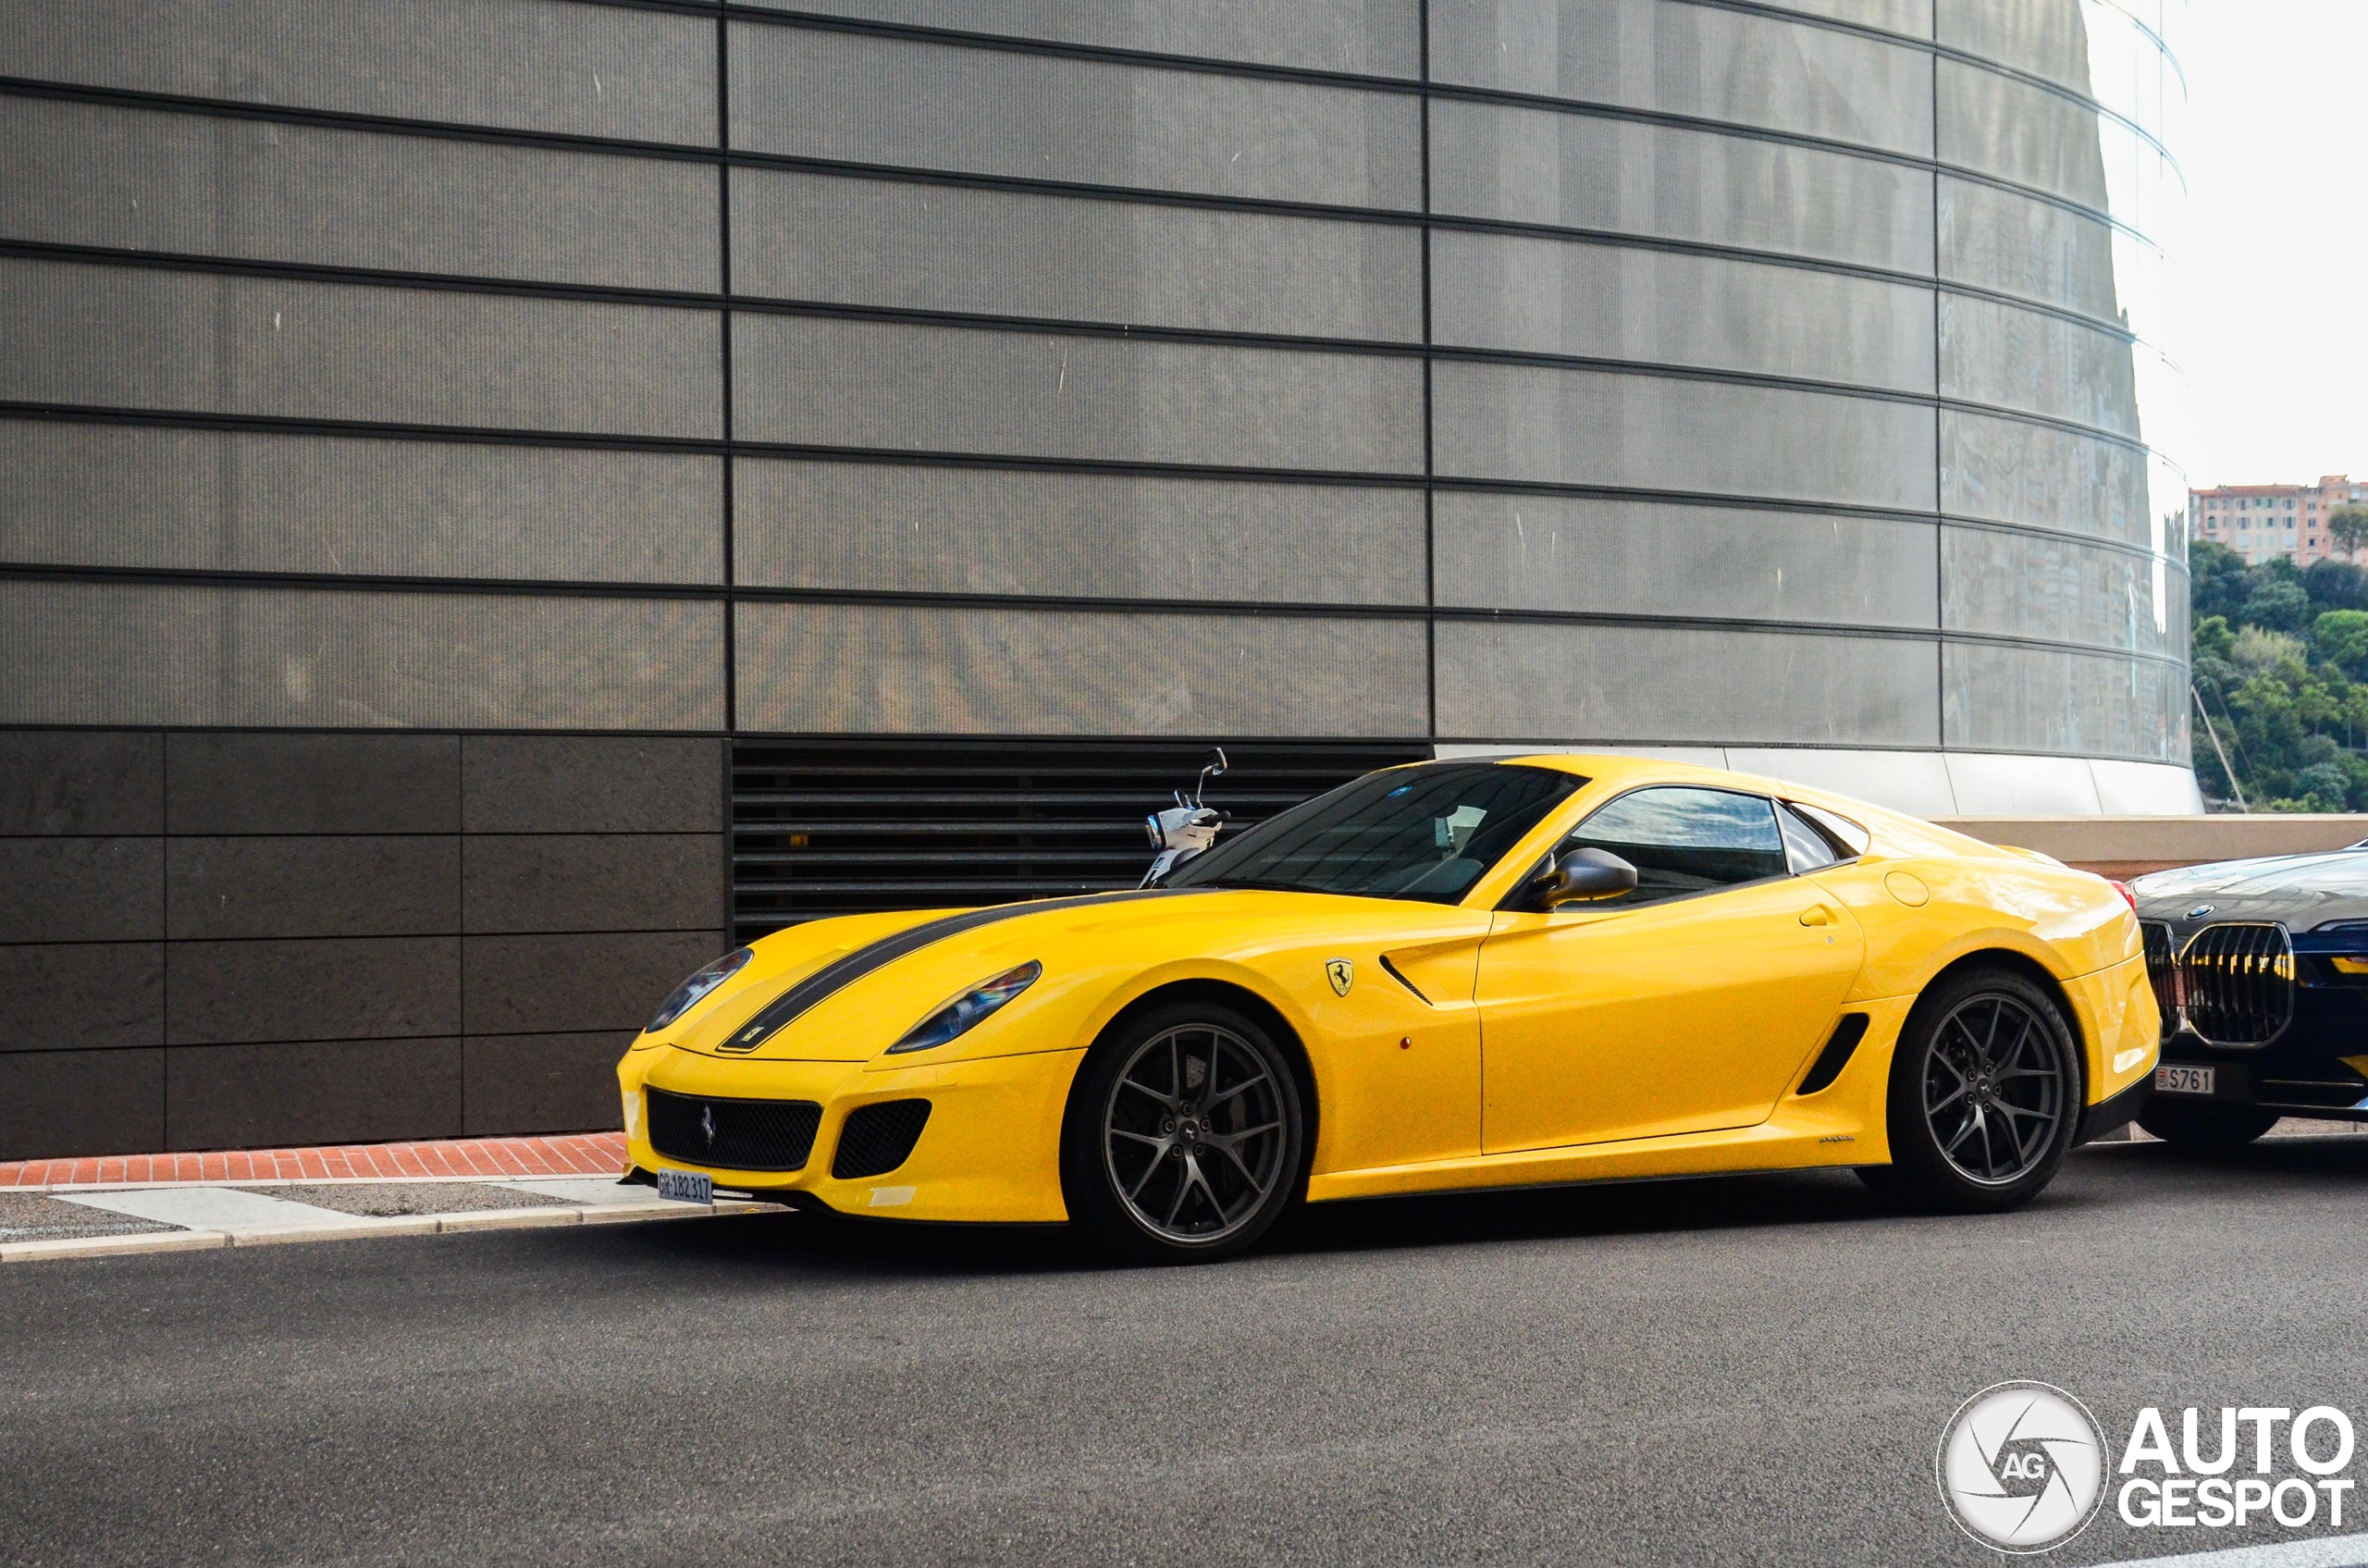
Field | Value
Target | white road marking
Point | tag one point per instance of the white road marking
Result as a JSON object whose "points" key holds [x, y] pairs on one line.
{"points": [[2321, 1551], [215, 1208]]}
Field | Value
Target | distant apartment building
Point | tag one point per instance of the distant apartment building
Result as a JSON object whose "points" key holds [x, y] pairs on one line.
{"points": [[2261, 521]]}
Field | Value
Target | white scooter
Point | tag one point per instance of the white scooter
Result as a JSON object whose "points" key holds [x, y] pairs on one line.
{"points": [[1185, 828]]}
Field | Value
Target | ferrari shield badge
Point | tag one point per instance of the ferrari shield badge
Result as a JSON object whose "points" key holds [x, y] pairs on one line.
{"points": [[1342, 973]]}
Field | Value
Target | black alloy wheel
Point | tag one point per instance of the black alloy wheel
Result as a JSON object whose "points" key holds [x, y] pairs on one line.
{"points": [[1184, 1139], [2204, 1124], [1987, 1093]]}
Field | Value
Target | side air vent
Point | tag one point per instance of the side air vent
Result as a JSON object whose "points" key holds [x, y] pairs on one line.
{"points": [[733, 1134], [2162, 968], [2238, 982], [1836, 1054], [878, 1139], [1397, 975]]}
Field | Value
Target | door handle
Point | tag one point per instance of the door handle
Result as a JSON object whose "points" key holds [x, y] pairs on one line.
{"points": [[1815, 915]]}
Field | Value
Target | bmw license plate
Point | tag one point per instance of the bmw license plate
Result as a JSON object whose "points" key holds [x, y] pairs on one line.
{"points": [[2184, 1081], [688, 1186]]}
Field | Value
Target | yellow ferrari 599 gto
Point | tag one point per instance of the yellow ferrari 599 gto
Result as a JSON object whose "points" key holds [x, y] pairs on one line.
{"points": [[1449, 976]]}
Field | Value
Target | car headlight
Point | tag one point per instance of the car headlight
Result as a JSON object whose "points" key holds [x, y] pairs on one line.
{"points": [[967, 1010], [693, 991]]}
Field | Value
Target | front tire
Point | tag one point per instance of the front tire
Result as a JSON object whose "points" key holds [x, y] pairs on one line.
{"points": [[2203, 1125], [1987, 1092], [1185, 1138]]}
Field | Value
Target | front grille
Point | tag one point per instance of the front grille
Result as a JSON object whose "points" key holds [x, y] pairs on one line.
{"points": [[2162, 968], [2239, 980], [878, 1138], [733, 1134]]}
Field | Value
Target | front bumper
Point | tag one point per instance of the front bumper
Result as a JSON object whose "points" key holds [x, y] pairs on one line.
{"points": [[2313, 1067], [2303, 1072], [2314, 1063], [989, 1151]]}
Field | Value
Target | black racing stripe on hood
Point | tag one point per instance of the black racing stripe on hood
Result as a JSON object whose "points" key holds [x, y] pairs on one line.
{"points": [[842, 972]]}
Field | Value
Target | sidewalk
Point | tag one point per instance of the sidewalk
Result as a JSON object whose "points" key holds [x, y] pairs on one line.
{"points": [[575, 1153], [181, 1202]]}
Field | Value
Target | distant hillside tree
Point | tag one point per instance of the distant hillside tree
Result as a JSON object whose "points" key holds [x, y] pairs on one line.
{"points": [[2281, 664], [2348, 525], [2341, 637], [2337, 584]]}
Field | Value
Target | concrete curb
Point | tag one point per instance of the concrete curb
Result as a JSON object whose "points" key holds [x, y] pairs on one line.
{"points": [[537, 1219], [55, 1187], [112, 1246]]}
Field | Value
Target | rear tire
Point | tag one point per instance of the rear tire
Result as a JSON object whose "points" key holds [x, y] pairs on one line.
{"points": [[2205, 1125], [1185, 1138], [1987, 1092]]}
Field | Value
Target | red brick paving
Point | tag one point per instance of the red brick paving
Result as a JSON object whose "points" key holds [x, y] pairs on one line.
{"points": [[573, 1153]]}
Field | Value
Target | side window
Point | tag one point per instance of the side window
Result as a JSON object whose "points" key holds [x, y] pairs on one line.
{"points": [[1682, 840], [1848, 838], [1805, 846]]}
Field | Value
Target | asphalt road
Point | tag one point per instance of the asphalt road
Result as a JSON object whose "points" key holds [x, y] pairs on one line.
{"points": [[1712, 1371]]}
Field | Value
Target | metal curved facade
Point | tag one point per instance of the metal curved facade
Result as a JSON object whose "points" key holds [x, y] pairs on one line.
{"points": [[1665, 372], [504, 498]]}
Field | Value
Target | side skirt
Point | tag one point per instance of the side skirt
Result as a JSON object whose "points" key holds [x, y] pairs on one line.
{"points": [[1771, 1146]]}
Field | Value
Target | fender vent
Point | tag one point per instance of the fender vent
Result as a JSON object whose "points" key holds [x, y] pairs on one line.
{"points": [[733, 1134], [2238, 982], [878, 1139], [1836, 1054], [1392, 970]]}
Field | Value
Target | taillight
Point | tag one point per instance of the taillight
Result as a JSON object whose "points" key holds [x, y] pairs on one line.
{"points": [[2127, 896]]}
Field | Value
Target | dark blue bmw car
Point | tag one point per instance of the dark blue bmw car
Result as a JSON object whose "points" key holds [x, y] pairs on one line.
{"points": [[2260, 967]]}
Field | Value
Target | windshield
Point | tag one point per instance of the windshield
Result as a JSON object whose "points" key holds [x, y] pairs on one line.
{"points": [[1424, 832]]}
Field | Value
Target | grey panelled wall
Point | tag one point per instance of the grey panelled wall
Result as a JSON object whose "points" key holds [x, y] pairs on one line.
{"points": [[390, 387], [236, 939]]}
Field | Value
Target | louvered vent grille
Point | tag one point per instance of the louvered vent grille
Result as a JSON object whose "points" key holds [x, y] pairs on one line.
{"points": [[733, 1134], [2162, 968], [2239, 983], [877, 1139], [836, 828]]}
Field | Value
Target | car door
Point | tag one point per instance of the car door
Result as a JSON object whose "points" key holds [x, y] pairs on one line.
{"points": [[1688, 1005]]}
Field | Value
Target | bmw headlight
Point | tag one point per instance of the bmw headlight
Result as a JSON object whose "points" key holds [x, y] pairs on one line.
{"points": [[693, 991], [967, 1010]]}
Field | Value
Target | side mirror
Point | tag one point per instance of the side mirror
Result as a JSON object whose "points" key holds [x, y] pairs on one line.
{"points": [[1583, 874], [1212, 769]]}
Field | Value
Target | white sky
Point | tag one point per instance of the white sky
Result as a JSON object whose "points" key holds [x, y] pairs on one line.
{"points": [[2275, 255]]}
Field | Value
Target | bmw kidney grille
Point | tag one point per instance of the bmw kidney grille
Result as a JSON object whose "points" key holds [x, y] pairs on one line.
{"points": [[2233, 984]]}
